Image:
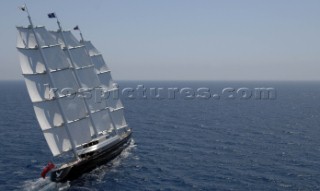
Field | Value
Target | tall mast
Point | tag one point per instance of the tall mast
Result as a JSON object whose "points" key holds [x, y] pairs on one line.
{"points": [[52, 82], [108, 109], [76, 76]]}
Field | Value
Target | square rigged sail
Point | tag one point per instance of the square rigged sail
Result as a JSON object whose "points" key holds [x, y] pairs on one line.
{"points": [[55, 61]]}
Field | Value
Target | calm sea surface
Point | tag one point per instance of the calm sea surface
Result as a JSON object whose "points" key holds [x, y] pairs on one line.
{"points": [[183, 144]]}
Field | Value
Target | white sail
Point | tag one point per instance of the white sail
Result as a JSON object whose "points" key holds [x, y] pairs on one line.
{"points": [[26, 38], [60, 73], [50, 119], [73, 108], [106, 80], [91, 49], [114, 102], [55, 58], [107, 83], [38, 87], [64, 80], [58, 140], [95, 100], [52, 86], [99, 64], [69, 37], [102, 120], [48, 114], [81, 131], [118, 118], [31, 61], [88, 78], [80, 57]]}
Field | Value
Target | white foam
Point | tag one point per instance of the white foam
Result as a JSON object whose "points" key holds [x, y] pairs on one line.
{"points": [[41, 184], [124, 154]]}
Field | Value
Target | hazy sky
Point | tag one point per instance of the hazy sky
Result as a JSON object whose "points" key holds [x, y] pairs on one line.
{"points": [[183, 39]]}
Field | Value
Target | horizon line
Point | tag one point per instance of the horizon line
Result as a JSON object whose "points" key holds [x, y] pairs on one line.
{"points": [[145, 80]]}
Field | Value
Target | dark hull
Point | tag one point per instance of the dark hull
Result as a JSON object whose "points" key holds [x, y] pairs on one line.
{"points": [[74, 171]]}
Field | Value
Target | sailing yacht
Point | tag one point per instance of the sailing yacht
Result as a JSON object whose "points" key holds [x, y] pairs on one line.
{"points": [[60, 72]]}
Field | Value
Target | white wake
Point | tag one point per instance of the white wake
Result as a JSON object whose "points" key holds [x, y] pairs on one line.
{"points": [[41, 184]]}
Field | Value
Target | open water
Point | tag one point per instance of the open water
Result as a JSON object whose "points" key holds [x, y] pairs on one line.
{"points": [[183, 144]]}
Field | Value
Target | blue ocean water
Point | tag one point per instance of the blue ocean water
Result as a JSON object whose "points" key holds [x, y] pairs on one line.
{"points": [[183, 144]]}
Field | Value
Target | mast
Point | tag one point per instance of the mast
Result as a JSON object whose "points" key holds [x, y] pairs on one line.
{"points": [[53, 83], [108, 109], [76, 76], [104, 74]]}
